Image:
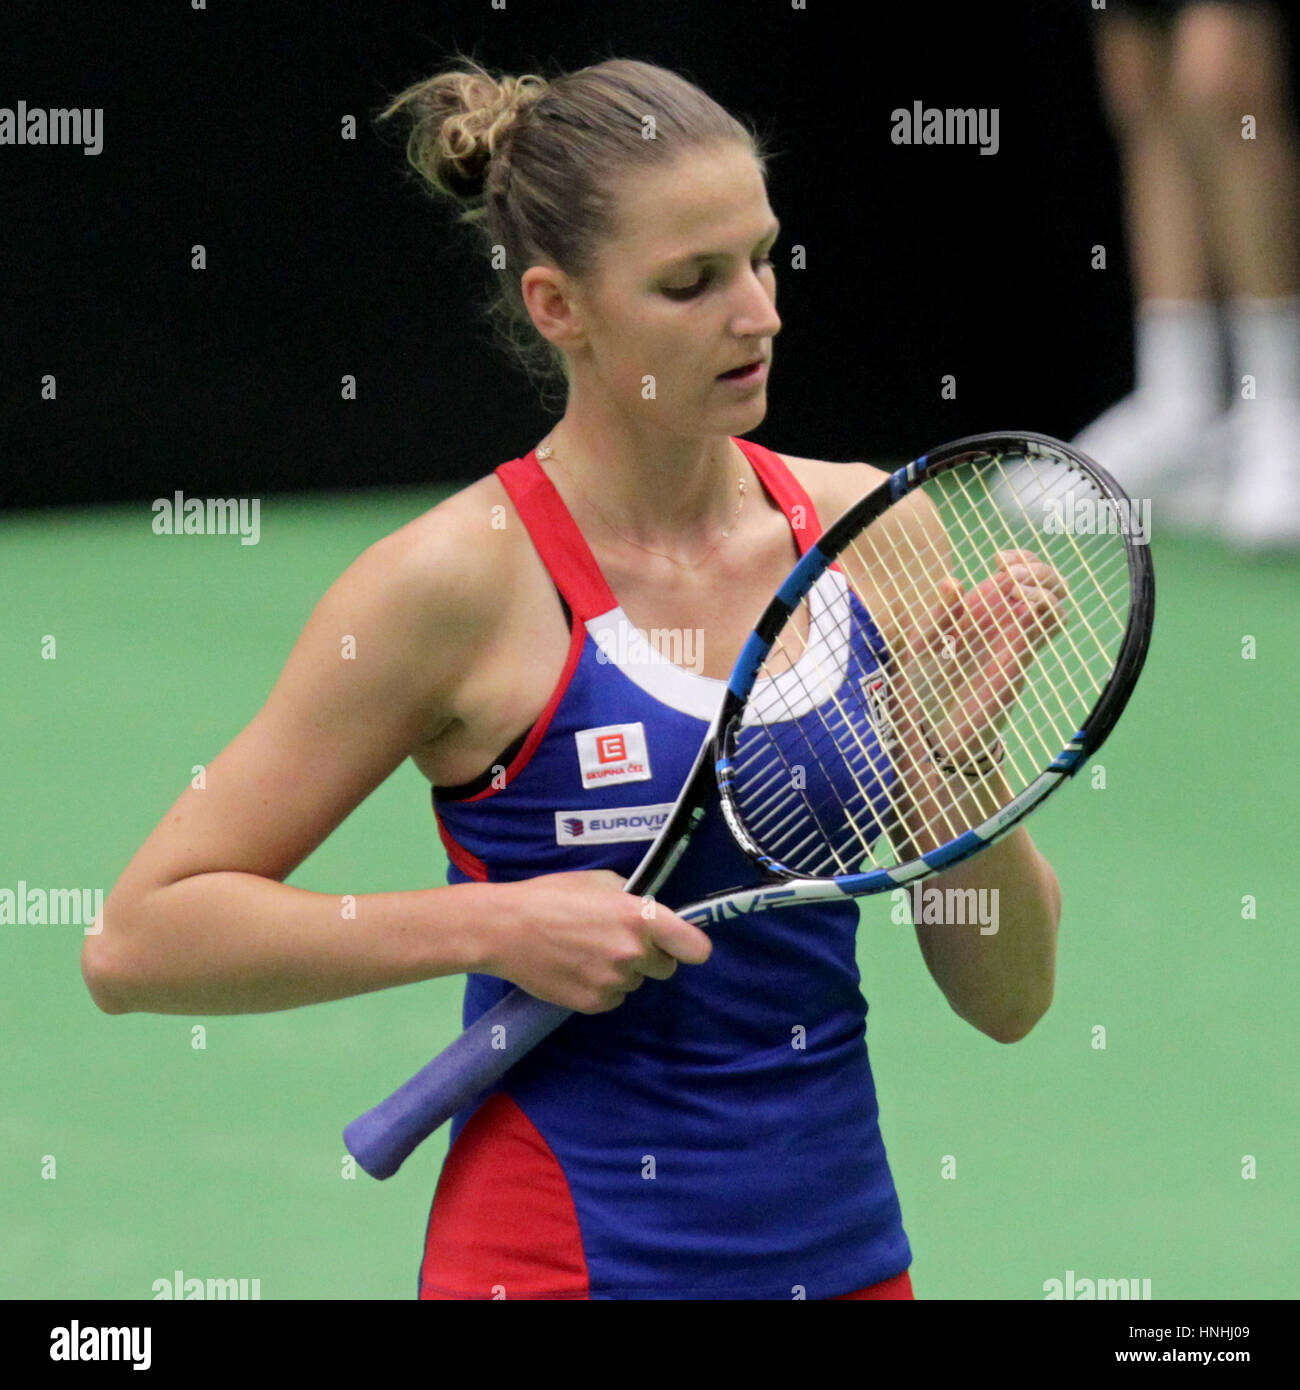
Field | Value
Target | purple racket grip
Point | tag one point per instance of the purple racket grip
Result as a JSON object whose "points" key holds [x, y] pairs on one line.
{"points": [[382, 1138]]}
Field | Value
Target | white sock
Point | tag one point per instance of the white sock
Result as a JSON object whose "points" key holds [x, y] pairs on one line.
{"points": [[1160, 441], [1262, 508], [1179, 354], [1265, 336]]}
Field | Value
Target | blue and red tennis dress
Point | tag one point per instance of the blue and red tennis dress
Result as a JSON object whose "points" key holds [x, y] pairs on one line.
{"points": [[715, 1136]]}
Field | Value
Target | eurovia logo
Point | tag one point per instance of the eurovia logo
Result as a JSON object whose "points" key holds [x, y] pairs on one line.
{"points": [[615, 823]]}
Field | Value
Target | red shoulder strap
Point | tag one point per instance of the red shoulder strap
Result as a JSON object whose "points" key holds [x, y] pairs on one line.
{"points": [[566, 554], [781, 486], [554, 533]]}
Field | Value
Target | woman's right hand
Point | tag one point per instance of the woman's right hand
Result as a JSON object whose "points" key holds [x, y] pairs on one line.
{"points": [[580, 941]]}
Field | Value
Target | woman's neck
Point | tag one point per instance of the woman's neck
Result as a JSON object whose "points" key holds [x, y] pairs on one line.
{"points": [[667, 494]]}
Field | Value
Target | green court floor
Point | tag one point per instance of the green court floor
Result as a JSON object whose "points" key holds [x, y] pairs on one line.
{"points": [[130, 1153]]}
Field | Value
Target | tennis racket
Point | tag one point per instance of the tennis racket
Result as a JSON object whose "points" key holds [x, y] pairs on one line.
{"points": [[940, 661]]}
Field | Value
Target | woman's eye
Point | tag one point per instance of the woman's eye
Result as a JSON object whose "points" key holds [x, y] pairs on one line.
{"points": [[690, 291], [686, 291]]}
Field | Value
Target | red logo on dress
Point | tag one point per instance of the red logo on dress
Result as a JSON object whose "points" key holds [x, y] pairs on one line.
{"points": [[611, 748]]}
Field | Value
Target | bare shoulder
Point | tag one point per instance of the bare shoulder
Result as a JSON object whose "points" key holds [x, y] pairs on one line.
{"points": [[473, 529], [910, 528], [833, 487], [453, 564]]}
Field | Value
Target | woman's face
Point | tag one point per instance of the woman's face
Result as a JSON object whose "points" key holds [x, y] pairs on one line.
{"points": [[682, 293]]}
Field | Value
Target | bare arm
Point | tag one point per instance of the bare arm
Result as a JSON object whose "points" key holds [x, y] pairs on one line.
{"points": [[201, 920], [1002, 981]]}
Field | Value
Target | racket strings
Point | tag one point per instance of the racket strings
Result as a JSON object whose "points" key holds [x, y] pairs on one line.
{"points": [[957, 522], [1093, 586], [950, 824], [1083, 576], [813, 771], [920, 674], [968, 544], [851, 788], [938, 681], [836, 743], [869, 847], [1082, 652]]}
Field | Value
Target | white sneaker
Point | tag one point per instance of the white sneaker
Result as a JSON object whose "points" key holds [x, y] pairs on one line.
{"points": [[1170, 452], [1261, 510]]}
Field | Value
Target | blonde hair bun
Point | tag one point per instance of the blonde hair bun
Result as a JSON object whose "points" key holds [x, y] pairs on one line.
{"points": [[460, 120]]}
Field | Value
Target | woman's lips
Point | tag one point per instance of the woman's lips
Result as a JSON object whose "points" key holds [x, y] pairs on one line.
{"points": [[747, 375]]}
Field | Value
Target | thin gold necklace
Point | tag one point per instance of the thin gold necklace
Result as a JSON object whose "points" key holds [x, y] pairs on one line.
{"points": [[546, 451]]}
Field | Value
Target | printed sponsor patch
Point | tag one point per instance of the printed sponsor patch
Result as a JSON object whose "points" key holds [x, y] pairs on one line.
{"points": [[605, 827], [613, 754]]}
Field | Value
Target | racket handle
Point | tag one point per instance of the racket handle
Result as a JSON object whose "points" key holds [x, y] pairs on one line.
{"points": [[382, 1138]]}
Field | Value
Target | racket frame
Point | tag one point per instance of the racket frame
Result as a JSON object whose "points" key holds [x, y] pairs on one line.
{"points": [[819, 558]]}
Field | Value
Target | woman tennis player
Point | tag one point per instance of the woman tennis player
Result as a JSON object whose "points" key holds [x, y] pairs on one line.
{"points": [[715, 1136]]}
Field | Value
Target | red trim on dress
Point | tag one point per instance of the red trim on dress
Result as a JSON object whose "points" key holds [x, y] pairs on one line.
{"points": [[503, 1223], [900, 1286], [568, 560], [785, 490], [555, 534], [466, 862], [537, 733]]}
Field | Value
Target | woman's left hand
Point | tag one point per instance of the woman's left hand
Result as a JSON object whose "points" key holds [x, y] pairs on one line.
{"points": [[977, 648]]}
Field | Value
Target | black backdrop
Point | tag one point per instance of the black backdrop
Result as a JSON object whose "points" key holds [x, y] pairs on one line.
{"points": [[222, 127]]}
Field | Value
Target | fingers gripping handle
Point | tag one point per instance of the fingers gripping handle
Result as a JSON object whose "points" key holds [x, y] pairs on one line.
{"points": [[382, 1138]]}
